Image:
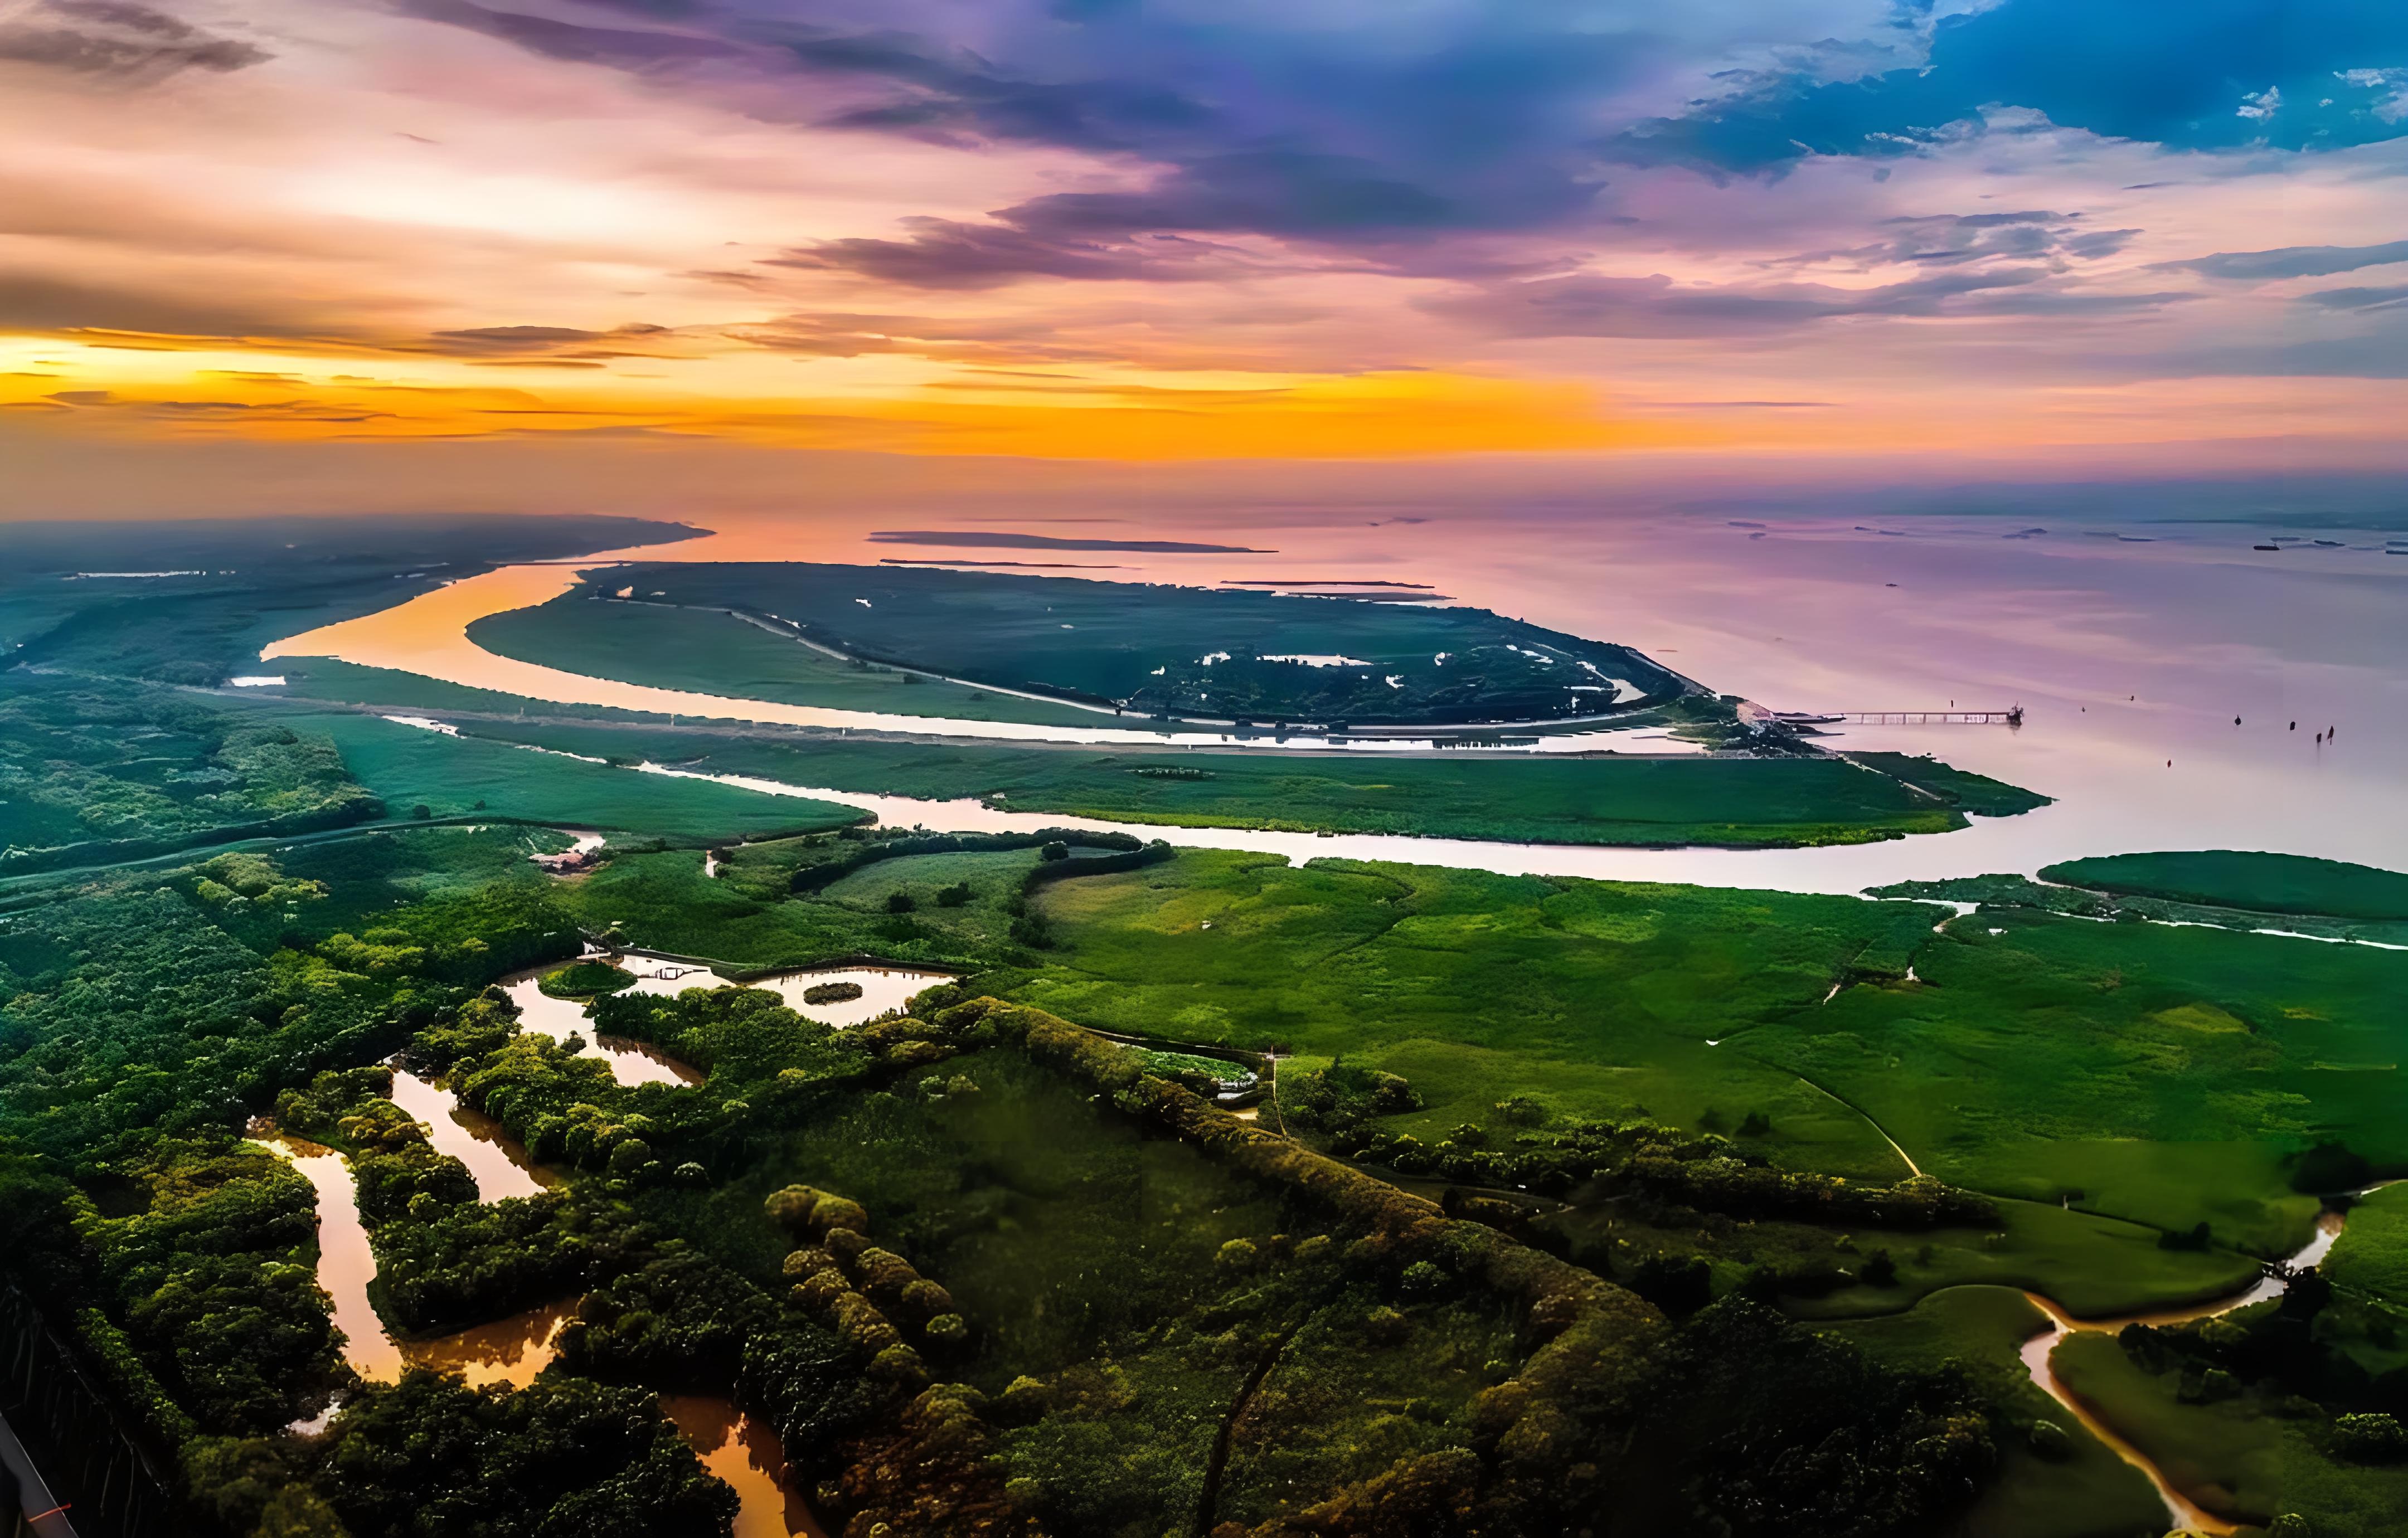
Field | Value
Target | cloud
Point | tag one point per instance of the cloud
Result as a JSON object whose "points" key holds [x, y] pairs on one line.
{"points": [[2219, 75], [1590, 305], [1319, 123], [2297, 261], [1940, 240], [34, 302], [623, 47], [843, 335], [1153, 234], [122, 39], [515, 343], [941, 253], [2357, 299]]}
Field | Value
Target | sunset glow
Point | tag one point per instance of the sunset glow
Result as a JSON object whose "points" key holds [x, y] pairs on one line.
{"points": [[1168, 233]]}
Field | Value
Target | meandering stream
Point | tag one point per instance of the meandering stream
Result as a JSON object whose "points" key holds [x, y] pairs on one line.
{"points": [[735, 1447], [2188, 1515]]}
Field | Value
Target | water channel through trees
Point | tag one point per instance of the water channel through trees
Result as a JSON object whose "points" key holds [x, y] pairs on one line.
{"points": [[738, 1448], [735, 1446]]}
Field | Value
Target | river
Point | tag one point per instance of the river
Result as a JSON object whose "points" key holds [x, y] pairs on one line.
{"points": [[2132, 656], [884, 991], [733, 1446], [2039, 1351]]}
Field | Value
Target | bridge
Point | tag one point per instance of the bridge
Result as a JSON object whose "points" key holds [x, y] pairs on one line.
{"points": [[1756, 715], [2011, 716]]}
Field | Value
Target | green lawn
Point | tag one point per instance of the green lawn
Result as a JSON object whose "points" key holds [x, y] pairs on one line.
{"points": [[1736, 802], [2232, 878], [711, 652], [2093, 1266], [2089, 1492], [2163, 1073], [1593, 998], [2372, 1254], [410, 766]]}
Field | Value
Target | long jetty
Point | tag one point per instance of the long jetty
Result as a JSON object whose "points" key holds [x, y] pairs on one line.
{"points": [[2011, 716]]}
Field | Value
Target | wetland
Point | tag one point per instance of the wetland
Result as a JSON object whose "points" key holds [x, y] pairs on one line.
{"points": [[970, 1133]]}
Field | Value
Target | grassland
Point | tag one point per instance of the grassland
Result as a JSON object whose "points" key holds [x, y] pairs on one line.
{"points": [[2157, 1073], [1591, 998], [2151, 1079], [712, 652], [2371, 1257], [2258, 883], [663, 901], [410, 767], [1728, 803], [1159, 647]]}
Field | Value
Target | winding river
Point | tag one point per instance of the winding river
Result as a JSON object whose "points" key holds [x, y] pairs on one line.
{"points": [[735, 1447], [2039, 1351], [2104, 642]]}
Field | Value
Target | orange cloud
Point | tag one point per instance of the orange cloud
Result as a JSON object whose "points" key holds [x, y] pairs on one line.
{"points": [[1159, 417]]}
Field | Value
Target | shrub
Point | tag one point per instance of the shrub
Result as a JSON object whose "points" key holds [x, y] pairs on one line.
{"points": [[2369, 1438], [836, 1212], [900, 902], [1422, 1279], [584, 979], [947, 1330], [792, 1207]]}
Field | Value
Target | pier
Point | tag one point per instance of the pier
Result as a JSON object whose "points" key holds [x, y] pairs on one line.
{"points": [[2011, 716]]}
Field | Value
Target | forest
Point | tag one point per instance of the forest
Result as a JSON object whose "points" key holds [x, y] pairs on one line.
{"points": [[1465, 1265], [1182, 1191]]}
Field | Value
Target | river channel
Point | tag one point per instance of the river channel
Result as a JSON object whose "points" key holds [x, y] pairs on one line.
{"points": [[735, 1447], [2039, 1351], [2161, 676]]}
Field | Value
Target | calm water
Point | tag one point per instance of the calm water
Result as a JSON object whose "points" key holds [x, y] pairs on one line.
{"points": [[632, 1062], [746, 1453], [2132, 656], [500, 1167]]}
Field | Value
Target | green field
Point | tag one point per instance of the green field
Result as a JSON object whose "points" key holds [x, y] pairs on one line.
{"points": [[1730, 802], [2158, 1073], [2258, 883], [2371, 1257], [711, 652], [455, 776], [1592, 998], [1194, 651], [2154, 1078], [230, 587]]}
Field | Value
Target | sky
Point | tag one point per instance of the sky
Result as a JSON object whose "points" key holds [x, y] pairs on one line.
{"points": [[397, 253]]}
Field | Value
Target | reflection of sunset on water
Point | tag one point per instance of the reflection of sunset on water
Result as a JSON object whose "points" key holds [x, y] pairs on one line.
{"points": [[512, 1350], [745, 1453]]}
